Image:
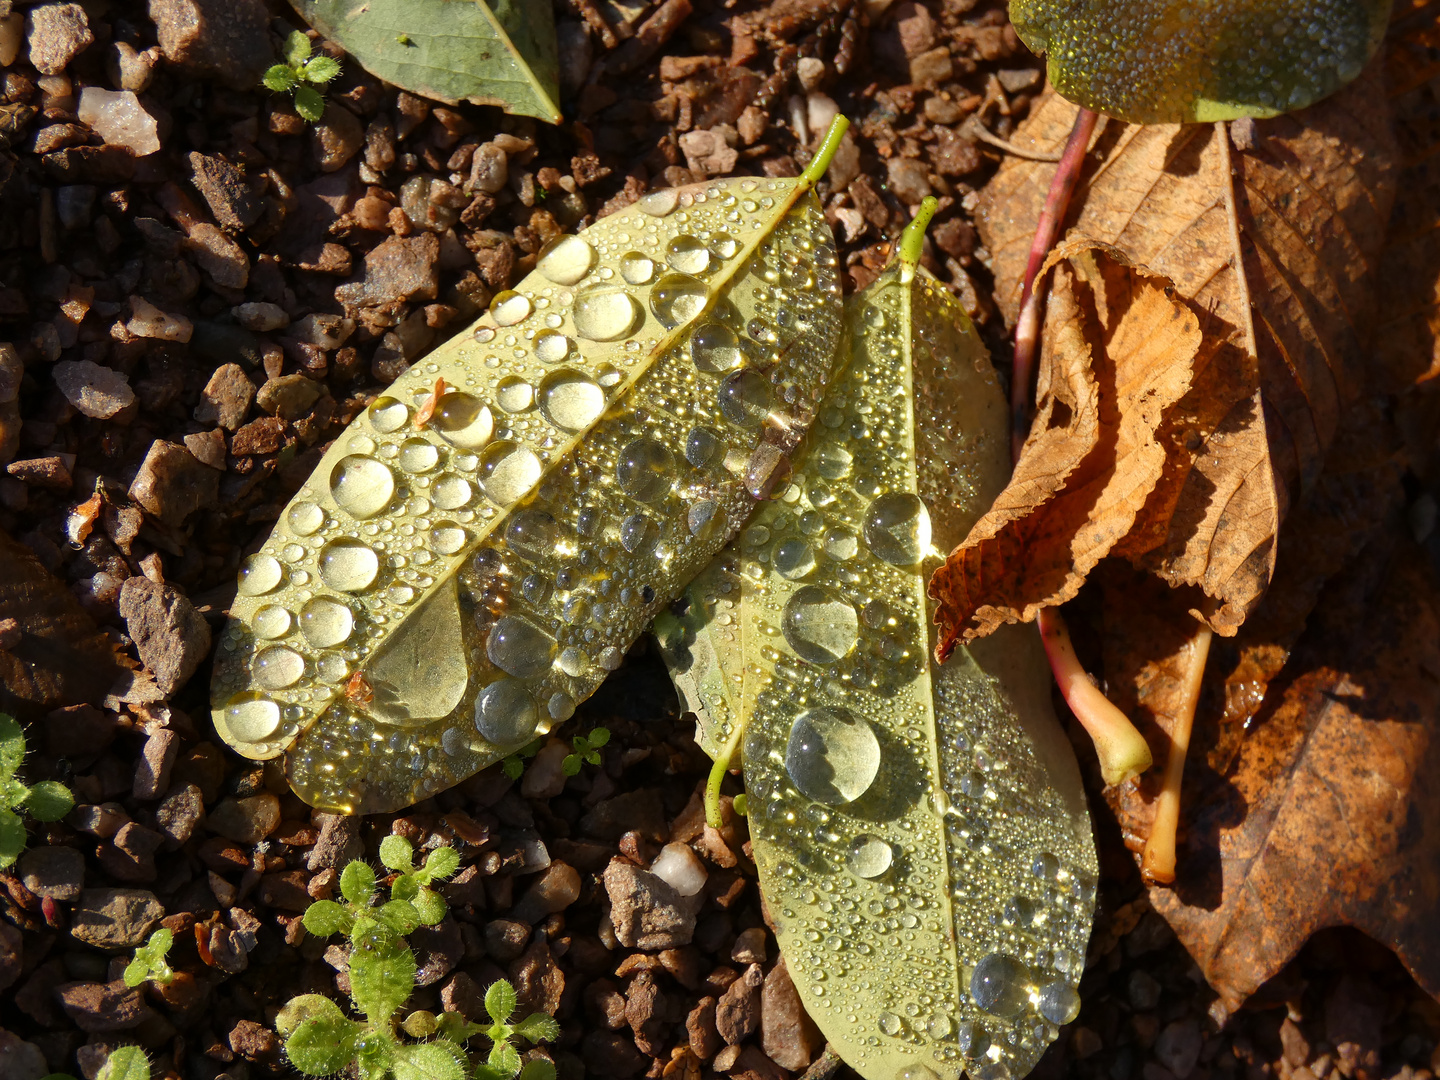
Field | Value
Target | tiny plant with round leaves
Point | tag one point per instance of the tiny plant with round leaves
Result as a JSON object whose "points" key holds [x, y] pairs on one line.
{"points": [[46, 800], [150, 964], [125, 1063], [587, 749], [302, 74]]}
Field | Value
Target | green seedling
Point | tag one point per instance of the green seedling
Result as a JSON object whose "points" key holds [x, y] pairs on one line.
{"points": [[321, 1040], [47, 800], [124, 1063], [150, 964], [514, 765], [587, 748], [301, 74]]}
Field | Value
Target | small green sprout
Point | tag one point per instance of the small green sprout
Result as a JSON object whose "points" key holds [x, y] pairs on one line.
{"points": [[514, 765], [43, 801], [587, 748], [403, 39], [150, 964], [321, 1040], [125, 1063], [302, 73]]}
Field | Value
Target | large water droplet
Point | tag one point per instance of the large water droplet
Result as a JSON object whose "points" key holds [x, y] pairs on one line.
{"points": [[660, 203], [259, 575], [832, 461], [724, 246], [678, 298], [703, 447], [448, 538], [361, 486], [510, 307], [605, 313], [305, 518], [270, 622], [897, 528], [418, 455], [277, 668], [451, 492], [388, 414], [326, 622], [566, 259], [1000, 984], [688, 255], [643, 469], [514, 394], [715, 348], [505, 713], [572, 662], [551, 346], [463, 420], [1059, 1003], [571, 401], [637, 268], [531, 533], [819, 626], [841, 544], [745, 399], [251, 718], [518, 647], [639, 534], [794, 559], [890, 1024], [347, 565], [508, 471], [832, 755], [869, 857]]}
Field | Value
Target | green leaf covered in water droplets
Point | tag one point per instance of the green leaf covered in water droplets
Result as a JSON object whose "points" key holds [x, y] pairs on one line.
{"points": [[460, 571], [1173, 61], [920, 830]]}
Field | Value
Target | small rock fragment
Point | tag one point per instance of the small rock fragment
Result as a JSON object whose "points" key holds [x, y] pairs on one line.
{"points": [[226, 398], [98, 392], [220, 257], [336, 138], [56, 872], [680, 868], [51, 473], [705, 1041], [489, 169], [1178, 1047], [11, 372], [646, 911], [178, 815], [288, 397], [322, 330], [148, 321], [400, 268], [58, 33], [505, 939], [223, 187], [226, 39], [12, 37], [115, 919], [738, 1013], [339, 842], [171, 636], [555, 890], [545, 775], [749, 947], [20, 1060], [707, 153], [261, 317], [787, 1034], [246, 821], [172, 484], [12, 954], [157, 758], [130, 68], [909, 180], [99, 1007], [118, 117], [208, 446], [611, 1054]]}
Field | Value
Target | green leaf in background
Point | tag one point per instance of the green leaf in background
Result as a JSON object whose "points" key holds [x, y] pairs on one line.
{"points": [[501, 53], [1176, 61]]}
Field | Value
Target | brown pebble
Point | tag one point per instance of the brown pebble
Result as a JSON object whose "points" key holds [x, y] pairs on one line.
{"points": [[738, 1013], [50, 473]]}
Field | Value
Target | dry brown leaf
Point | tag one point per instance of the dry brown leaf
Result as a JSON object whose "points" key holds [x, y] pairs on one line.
{"points": [[62, 658], [1327, 815]]}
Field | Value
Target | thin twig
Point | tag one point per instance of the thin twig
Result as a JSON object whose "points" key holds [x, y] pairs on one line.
{"points": [[1232, 215], [1157, 865], [974, 127]]}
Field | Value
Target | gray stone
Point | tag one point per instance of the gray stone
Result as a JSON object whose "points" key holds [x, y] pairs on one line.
{"points": [[222, 39], [98, 392], [157, 758], [909, 179], [172, 484], [171, 636], [115, 919], [246, 821], [261, 317], [489, 169], [178, 815], [56, 872], [57, 33], [20, 1060], [226, 398], [1178, 1047], [645, 911]]}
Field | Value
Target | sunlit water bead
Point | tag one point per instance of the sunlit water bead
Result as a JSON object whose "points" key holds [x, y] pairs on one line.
{"points": [[637, 268], [1058, 1002], [571, 401], [508, 471], [514, 394], [270, 622], [361, 486], [518, 647], [418, 455], [639, 534], [723, 245], [644, 469], [251, 718], [688, 255], [277, 667], [1000, 984], [510, 307], [869, 856], [832, 755], [450, 492], [566, 259], [463, 420], [551, 346], [678, 298], [388, 414], [448, 538], [703, 447], [745, 399], [794, 559], [505, 713], [897, 528], [841, 544], [532, 534], [325, 622], [819, 626], [715, 348], [305, 518], [605, 313], [832, 461], [260, 574], [347, 565]]}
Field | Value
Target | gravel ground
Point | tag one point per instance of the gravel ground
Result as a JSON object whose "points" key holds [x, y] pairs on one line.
{"points": [[198, 291]]}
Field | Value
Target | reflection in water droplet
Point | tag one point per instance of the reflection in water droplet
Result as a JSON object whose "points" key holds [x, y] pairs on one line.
{"points": [[724, 246], [700, 516], [841, 543], [572, 662], [897, 528], [605, 313], [551, 346], [638, 534], [326, 622], [1000, 984], [869, 856], [305, 518], [388, 414], [1059, 1003], [794, 559], [643, 469], [451, 492], [508, 471], [400, 594], [514, 394], [566, 259], [418, 455], [688, 255], [703, 447], [819, 626], [560, 706], [531, 533], [505, 713], [637, 269], [347, 565], [447, 537], [259, 574], [939, 1026], [463, 420], [518, 647], [832, 755], [745, 399], [715, 348], [1046, 866], [660, 203], [361, 486], [270, 622], [890, 1024], [277, 668], [832, 461], [252, 719], [571, 401], [509, 307], [678, 298]]}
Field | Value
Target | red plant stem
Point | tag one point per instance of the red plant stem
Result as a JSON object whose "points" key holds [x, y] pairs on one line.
{"points": [[1027, 327]]}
